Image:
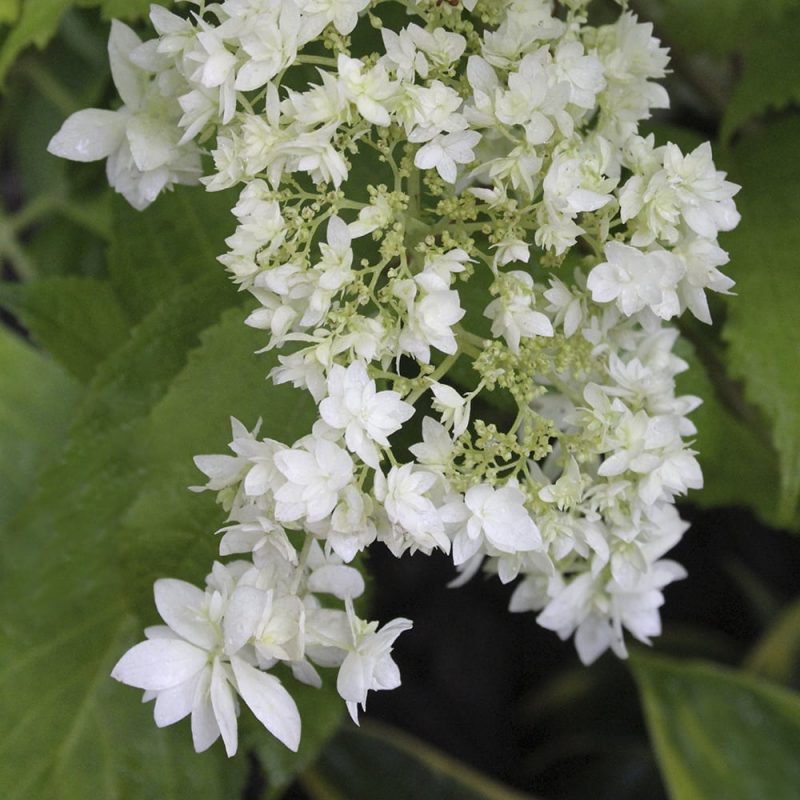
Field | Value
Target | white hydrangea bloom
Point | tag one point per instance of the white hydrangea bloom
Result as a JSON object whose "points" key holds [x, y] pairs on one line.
{"points": [[409, 199], [368, 665], [636, 280], [140, 140], [181, 666], [367, 416]]}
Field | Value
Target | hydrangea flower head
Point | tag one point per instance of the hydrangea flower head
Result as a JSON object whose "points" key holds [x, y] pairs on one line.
{"points": [[440, 211]]}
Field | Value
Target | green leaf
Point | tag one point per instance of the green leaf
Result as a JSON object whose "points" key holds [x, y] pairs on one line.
{"points": [[713, 26], [770, 79], [33, 417], [66, 621], [739, 468], [763, 326], [89, 737], [36, 25], [77, 320], [321, 711], [161, 530], [111, 513], [380, 761], [9, 11], [39, 21], [124, 9], [776, 655], [153, 255], [113, 493], [720, 734], [156, 253]]}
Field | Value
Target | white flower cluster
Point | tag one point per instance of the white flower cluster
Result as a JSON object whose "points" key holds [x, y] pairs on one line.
{"points": [[461, 246]]}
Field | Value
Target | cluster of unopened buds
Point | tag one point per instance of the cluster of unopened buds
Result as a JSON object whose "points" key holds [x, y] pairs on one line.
{"points": [[462, 247]]}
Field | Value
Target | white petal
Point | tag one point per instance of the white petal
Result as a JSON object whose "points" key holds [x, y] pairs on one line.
{"points": [[127, 78], [242, 615], [224, 708], [353, 680], [304, 672], [89, 135], [205, 730], [337, 580], [159, 664], [338, 234], [176, 703], [464, 548], [428, 156], [180, 605], [269, 701], [592, 639], [447, 172], [150, 141]]}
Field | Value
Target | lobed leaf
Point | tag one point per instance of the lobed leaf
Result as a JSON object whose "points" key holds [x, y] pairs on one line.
{"points": [[77, 320], [770, 79], [37, 399], [763, 327], [110, 513], [739, 468]]}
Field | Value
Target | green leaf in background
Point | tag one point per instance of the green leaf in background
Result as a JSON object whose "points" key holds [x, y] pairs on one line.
{"points": [[770, 79], [77, 320], [763, 323], [37, 400], [39, 19], [9, 11], [739, 468], [59, 553], [150, 260], [776, 655], [715, 26], [322, 711], [168, 530], [378, 761], [123, 9], [720, 734], [36, 25], [79, 558]]}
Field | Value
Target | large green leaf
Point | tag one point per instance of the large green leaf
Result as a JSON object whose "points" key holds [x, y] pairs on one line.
{"points": [[37, 399], [770, 79], [378, 761], [714, 26], [720, 734], [763, 324], [66, 620], [739, 468], [111, 513], [77, 320], [182, 240], [168, 530]]}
